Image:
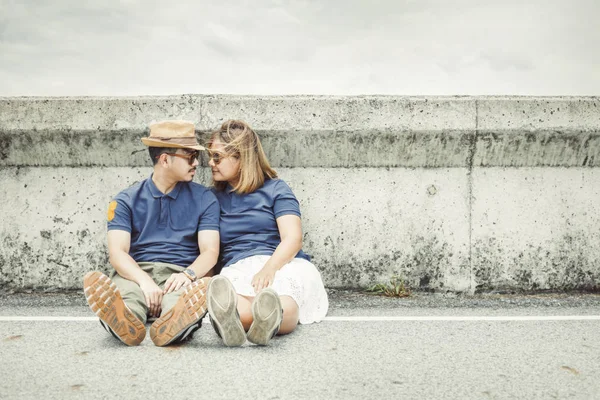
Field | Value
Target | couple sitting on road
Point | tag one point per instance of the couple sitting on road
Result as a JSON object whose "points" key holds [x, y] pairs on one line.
{"points": [[165, 235]]}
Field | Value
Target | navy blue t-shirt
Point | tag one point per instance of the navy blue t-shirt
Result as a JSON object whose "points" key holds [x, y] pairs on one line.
{"points": [[164, 227], [248, 221]]}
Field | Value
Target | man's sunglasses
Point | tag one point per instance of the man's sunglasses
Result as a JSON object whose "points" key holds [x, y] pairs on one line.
{"points": [[190, 157]]}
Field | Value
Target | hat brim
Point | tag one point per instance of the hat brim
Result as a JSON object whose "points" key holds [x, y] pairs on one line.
{"points": [[159, 143]]}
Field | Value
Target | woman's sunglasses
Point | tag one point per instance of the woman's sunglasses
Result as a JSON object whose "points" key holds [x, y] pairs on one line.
{"points": [[217, 157]]}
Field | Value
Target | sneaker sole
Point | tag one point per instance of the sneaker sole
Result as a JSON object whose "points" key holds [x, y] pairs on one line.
{"points": [[105, 300], [267, 317], [222, 307], [184, 318]]}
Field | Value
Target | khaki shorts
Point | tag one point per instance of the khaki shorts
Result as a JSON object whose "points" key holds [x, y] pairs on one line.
{"points": [[134, 297]]}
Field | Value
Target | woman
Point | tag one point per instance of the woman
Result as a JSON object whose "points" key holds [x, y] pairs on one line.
{"points": [[267, 284]]}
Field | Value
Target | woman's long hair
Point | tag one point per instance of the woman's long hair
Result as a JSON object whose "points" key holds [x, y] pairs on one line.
{"points": [[239, 140]]}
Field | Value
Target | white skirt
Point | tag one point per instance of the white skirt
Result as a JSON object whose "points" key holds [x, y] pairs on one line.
{"points": [[298, 279]]}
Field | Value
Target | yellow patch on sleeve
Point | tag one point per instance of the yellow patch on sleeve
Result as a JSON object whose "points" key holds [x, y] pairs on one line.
{"points": [[111, 210]]}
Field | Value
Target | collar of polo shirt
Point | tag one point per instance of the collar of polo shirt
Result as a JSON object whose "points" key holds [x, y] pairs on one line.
{"points": [[157, 193]]}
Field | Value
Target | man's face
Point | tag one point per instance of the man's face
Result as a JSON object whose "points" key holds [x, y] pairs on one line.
{"points": [[180, 167]]}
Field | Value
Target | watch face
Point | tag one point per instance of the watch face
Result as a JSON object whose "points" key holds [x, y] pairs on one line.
{"points": [[190, 272]]}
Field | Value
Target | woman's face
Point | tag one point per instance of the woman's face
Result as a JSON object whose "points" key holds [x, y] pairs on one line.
{"points": [[227, 168]]}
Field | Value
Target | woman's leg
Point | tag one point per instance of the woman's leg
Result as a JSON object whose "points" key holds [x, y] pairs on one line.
{"points": [[244, 306], [222, 302], [290, 315]]}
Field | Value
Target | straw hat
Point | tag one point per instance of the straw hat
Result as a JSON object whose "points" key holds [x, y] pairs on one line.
{"points": [[177, 134]]}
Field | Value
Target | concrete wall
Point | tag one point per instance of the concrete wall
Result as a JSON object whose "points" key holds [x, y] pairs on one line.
{"points": [[452, 193]]}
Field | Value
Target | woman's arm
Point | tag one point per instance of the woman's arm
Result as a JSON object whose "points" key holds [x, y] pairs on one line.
{"points": [[290, 231]]}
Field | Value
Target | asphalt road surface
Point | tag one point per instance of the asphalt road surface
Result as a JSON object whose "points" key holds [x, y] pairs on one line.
{"points": [[426, 346]]}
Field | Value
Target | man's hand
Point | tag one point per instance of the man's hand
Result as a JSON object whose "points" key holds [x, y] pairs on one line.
{"points": [[263, 278], [176, 282], [153, 295]]}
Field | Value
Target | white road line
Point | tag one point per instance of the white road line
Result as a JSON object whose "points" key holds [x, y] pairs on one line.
{"points": [[47, 319], [469, 318], [362, 318]]}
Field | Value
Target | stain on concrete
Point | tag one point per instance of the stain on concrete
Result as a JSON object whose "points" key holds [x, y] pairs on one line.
{"points": [[336, 149], [81, 235], [535, 149], [426, 267], [570, 369], [322, 148], [51, 262], [5, 145], [366, 148], [570, 263], [73, 148]]}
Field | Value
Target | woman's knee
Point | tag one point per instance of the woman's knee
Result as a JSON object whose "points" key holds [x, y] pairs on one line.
{"points": [[289, 306], [290, 315]]}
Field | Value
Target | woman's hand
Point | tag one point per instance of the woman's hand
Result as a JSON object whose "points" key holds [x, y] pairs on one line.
{"points": [[263, 278], [176, 282]]}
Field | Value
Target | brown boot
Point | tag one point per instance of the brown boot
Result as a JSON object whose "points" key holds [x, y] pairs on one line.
{"points": [[180, 322], [105, 300]]}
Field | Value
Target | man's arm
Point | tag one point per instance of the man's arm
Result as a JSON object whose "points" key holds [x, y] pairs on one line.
{"points": [[118, 255], [208, 242]]}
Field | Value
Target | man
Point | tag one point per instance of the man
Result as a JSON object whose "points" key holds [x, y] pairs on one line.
{"points": [[163, 234]]}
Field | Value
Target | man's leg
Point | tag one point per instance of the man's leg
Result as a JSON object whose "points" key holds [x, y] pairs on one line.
{"points": [[104, 297], [132, 296], [164, 272], [182, 310]]}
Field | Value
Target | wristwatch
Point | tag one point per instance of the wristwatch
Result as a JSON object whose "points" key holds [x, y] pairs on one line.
{"points": [[190, 274]]}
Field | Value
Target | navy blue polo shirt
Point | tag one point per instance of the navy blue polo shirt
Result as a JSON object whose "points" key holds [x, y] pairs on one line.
{"points": [[248, 221], [164, 227]]}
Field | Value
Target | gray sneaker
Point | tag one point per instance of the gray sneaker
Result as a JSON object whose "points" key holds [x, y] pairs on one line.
{"points": [[222, 308], [267, 316]]}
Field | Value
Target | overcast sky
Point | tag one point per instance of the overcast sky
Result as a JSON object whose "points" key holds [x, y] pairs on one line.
{"points": [[401, 47]]}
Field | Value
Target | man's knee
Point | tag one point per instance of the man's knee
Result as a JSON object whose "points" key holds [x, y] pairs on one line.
{"points": [[132, 296]]}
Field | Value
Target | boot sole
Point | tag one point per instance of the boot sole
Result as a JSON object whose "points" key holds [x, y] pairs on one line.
{"points": [[222, 307], [267, 317], [105, 300], [184, 318]]}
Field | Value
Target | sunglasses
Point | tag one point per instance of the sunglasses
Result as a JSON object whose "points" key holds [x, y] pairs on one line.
{"points": [[190, 157], [217, 157]]}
